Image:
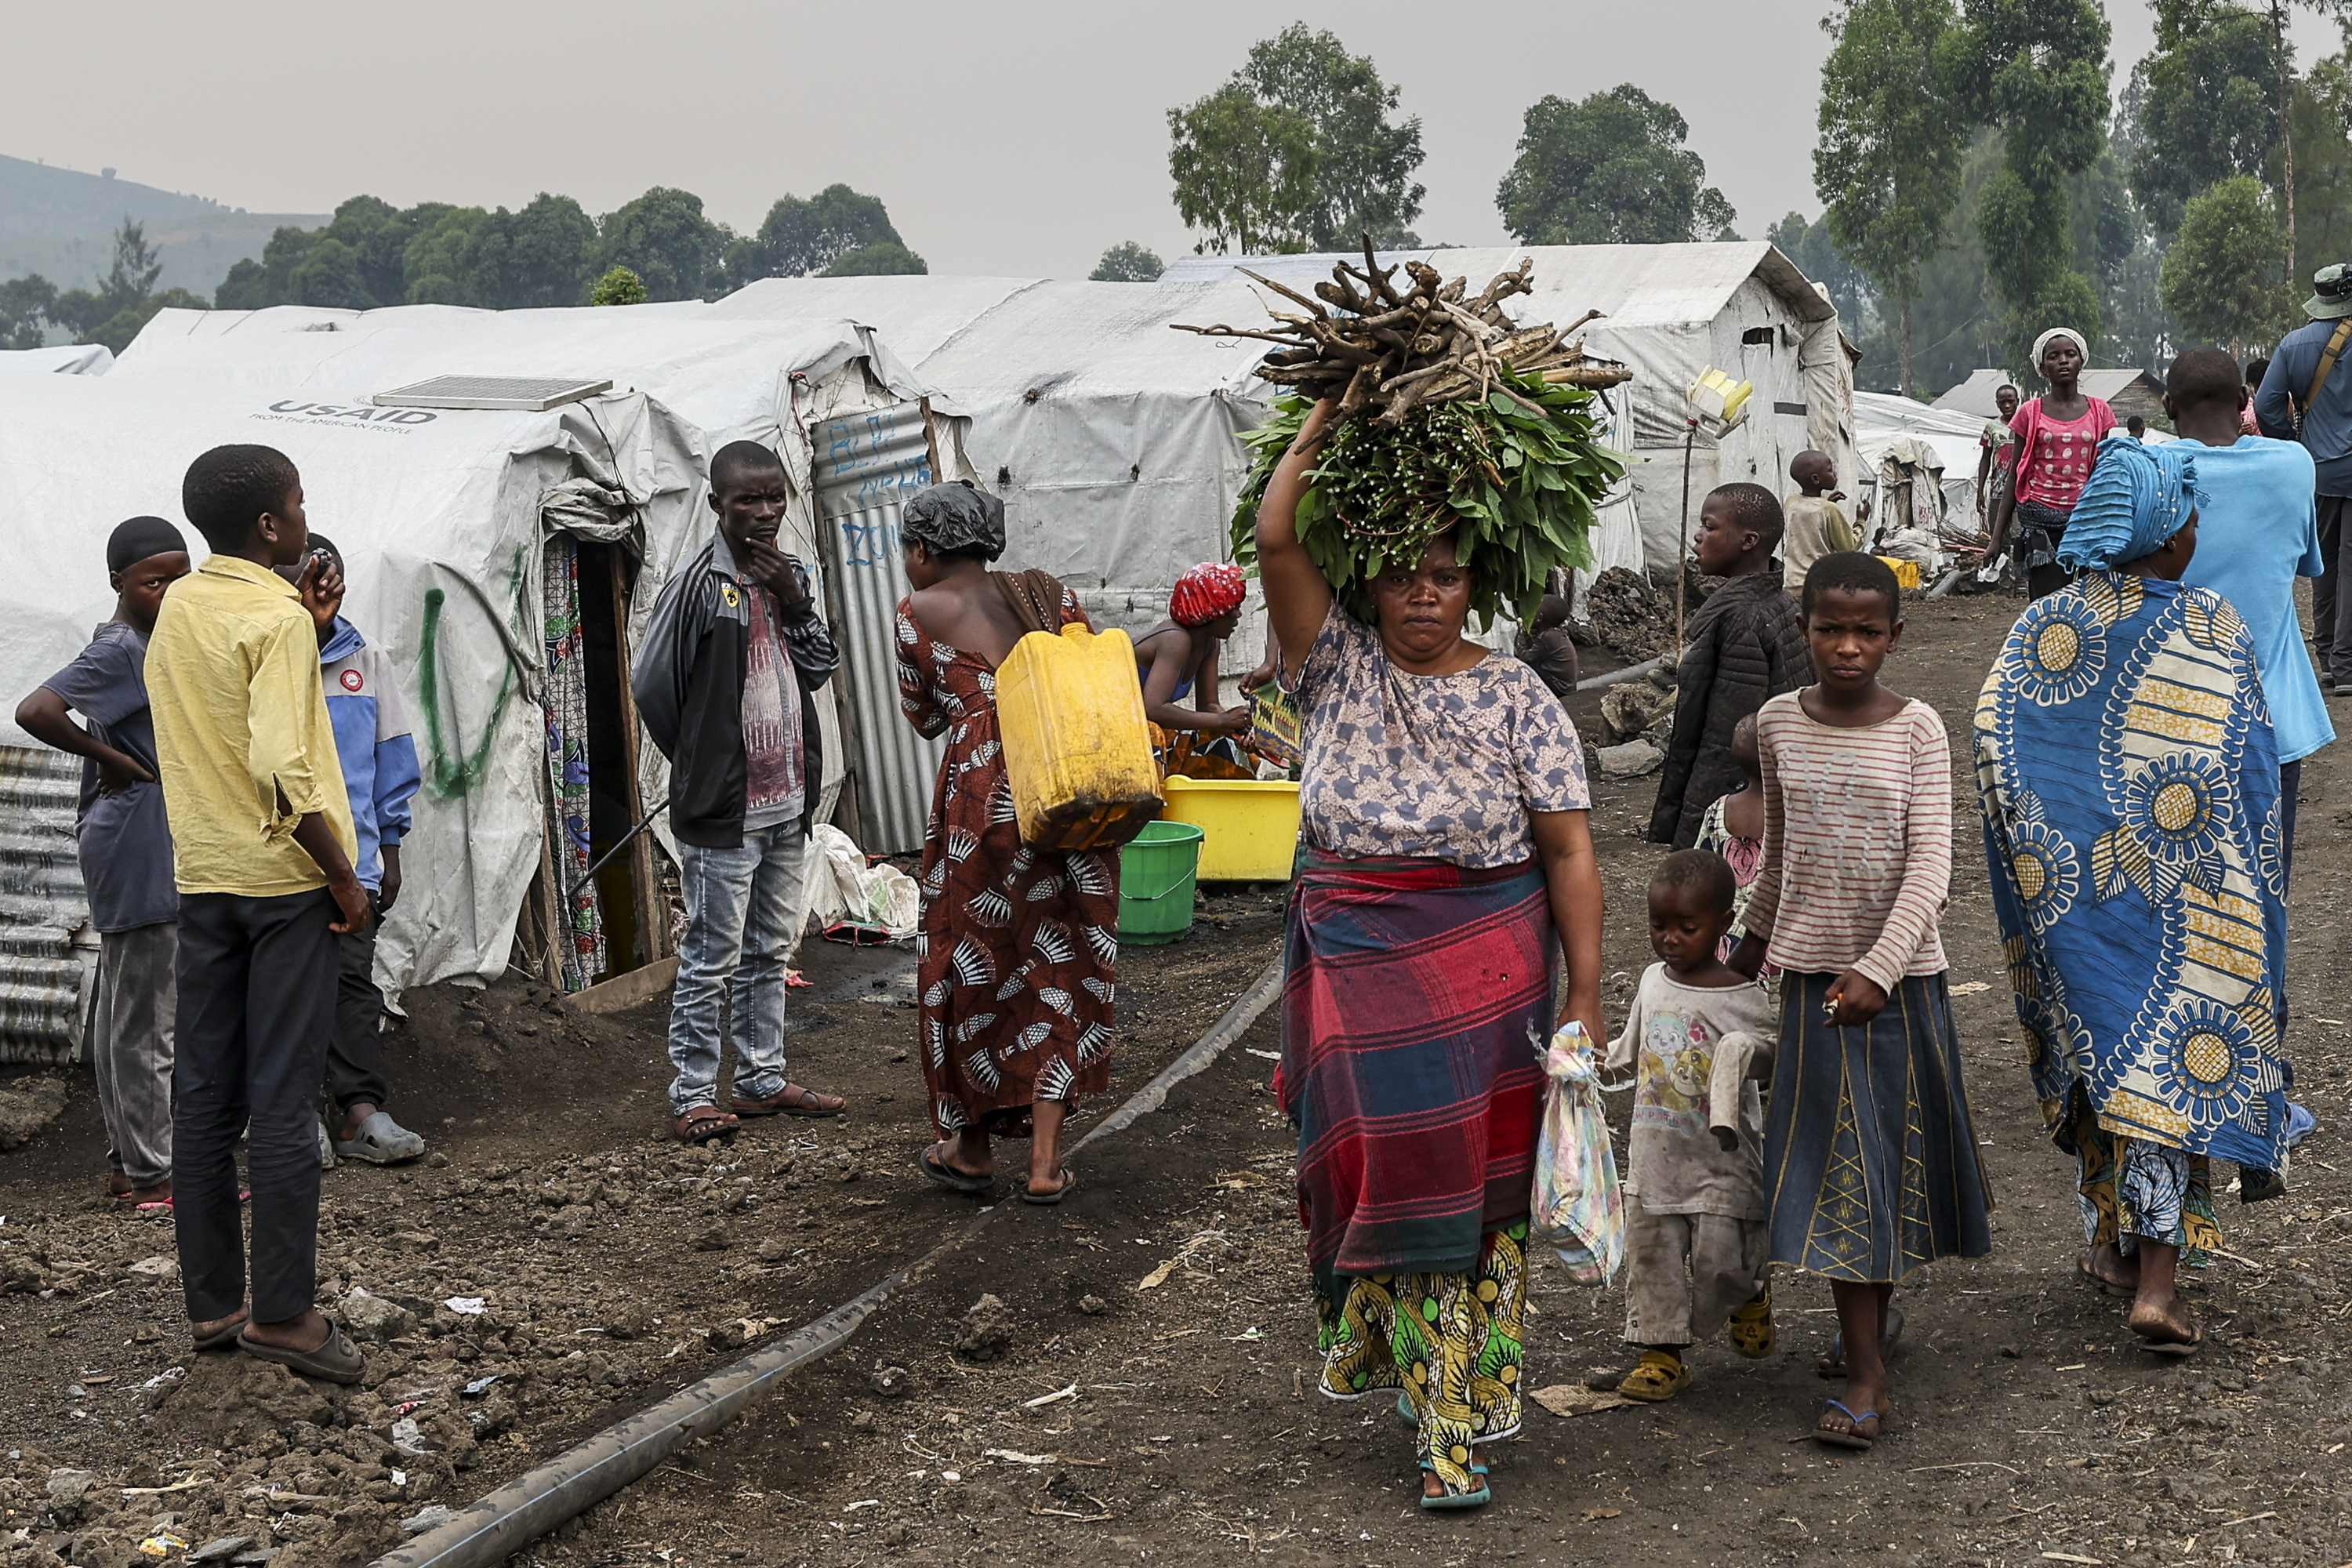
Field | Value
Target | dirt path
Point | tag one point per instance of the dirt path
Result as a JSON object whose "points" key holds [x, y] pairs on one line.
{"points": [[1089, 1418]]}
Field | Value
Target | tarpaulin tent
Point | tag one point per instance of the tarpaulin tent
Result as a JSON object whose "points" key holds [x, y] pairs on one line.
{"points": [[1882, 421], [1668, 313], [858, 431], [453, 524], [1111, 437], [71, 359]]}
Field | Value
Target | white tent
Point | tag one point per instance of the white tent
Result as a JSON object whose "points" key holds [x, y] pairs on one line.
{"points": [[69, 359], [447, 520], [1882, 419], [858, 431], [1110, 438], [1668, 313]]}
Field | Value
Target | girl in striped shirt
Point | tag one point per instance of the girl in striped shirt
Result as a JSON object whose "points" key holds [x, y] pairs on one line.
{"points": [[1870, 1162]]}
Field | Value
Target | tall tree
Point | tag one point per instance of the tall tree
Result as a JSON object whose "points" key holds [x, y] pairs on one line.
{"points": [[1363, 163], [2224, 278], [2036, 71], [29, 308], [1889, 166], [2201, 104], [1128, 262], [2322, 124], [545, 256], [883, 259], [1610, 170], [798, 237], [433, 266], [1245, 172], [663, 237], [1809, 244], [329, 275]]}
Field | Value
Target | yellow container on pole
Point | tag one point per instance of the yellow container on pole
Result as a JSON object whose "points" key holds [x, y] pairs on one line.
{"points": [[1077, 753]]}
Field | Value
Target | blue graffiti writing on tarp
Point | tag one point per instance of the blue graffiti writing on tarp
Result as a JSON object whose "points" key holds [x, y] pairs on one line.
{"points": [[876, 453], [869, 543]]}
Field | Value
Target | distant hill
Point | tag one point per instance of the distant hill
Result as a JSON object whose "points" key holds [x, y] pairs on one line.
{"points": [[60, 222]]}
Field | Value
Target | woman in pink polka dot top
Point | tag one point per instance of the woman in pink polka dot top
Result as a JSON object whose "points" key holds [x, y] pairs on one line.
{"points": [[2058, 436]]}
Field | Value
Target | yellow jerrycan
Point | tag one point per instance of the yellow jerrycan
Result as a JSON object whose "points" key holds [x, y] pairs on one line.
{"points": [[1077, 752]]}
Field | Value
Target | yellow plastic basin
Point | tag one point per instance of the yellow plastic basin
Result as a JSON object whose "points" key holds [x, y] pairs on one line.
{"points": [[1250, 828]]}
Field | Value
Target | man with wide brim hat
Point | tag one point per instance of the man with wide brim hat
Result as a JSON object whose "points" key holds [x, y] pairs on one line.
{"points": [[2306, 396]]}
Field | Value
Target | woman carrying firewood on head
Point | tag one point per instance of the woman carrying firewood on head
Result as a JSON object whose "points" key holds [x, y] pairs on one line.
{"points": [[1445, 862]]}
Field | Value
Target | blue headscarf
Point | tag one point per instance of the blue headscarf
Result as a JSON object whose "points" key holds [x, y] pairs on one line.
{"points": [[2138, 496]]}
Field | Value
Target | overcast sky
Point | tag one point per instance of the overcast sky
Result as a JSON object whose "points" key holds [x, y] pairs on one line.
{"points": [[1016, 139]]}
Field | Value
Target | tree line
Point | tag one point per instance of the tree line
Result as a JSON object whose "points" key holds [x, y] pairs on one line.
{"points": [[1301, 150], [1969, 153], [550, 252]]}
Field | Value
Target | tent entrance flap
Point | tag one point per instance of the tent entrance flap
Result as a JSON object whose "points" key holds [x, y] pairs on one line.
{"points": [[869, 465], [578, 929]]}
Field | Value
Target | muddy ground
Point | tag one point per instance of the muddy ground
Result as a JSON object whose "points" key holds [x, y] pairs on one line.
{"points": [[1139, 1391]]}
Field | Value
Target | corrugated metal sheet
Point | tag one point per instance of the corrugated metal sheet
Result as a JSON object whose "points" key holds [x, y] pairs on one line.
{"points": [[44, 973], [867, 466]]}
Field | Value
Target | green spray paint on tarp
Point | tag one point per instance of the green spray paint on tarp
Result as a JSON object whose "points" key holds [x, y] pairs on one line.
{"points": [[447, 773]]}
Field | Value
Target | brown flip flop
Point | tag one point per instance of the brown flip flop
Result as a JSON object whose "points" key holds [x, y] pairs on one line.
{"points": [[703, 1124], [793, 1100]]}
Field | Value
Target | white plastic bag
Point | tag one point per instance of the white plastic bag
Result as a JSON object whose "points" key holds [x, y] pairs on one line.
{"points": [[842, 886], [1578, 1209]]}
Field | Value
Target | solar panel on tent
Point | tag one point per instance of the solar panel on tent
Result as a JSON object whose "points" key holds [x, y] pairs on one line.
{"points": [[526, 393]]}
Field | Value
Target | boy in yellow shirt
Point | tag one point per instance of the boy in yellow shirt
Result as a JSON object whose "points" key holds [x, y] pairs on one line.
{"points": [[262, 847]]}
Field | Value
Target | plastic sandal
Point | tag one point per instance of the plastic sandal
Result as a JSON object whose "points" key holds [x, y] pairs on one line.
{"points": [[955, 1181], [381, 1140], [1446, 1501], [336, 1361], [1658, 1375], [1851, 1438], [1750, 1330]]}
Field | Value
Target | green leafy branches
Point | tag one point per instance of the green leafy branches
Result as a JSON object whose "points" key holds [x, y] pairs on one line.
{"points": [[1515, 484]]}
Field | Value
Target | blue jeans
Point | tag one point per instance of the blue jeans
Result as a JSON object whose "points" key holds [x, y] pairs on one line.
{"points": [[741, 908]]}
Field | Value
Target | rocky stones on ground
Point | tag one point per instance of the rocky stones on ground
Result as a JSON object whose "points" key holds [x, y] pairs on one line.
{"points": [[1621, 613], [987, 1330], [225, 1398], [431, 1518], [27, 1106], [1638, 709], [1629, 761], [66, 1490], [369, 1317], [158, 1269]]}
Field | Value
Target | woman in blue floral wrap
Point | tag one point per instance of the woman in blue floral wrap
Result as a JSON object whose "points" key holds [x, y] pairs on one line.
{"points": [[2130, 783]]}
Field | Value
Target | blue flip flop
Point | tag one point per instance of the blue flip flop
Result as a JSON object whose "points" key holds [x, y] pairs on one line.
{"points": [[1849, 1438], [1448, 1501]]}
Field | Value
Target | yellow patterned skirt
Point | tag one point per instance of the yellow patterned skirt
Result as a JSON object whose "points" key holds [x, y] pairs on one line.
{"points": [[1451, 1342]]}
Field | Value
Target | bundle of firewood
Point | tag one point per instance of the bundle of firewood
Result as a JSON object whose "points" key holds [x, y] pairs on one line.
{"points": [[1385, 349]]}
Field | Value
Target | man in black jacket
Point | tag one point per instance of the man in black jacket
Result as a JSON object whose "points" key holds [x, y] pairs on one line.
{"points": [[724, 685]]}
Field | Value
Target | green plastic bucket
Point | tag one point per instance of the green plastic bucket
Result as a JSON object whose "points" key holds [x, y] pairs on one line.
{"points": [[1156, 872]]}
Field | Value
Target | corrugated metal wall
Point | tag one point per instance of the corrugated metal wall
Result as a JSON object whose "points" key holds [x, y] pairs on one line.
{"points": [[43, 972], [867, 467]]}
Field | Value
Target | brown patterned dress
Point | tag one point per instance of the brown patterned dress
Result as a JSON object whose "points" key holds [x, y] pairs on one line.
{"points": [[1020, 947]]}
